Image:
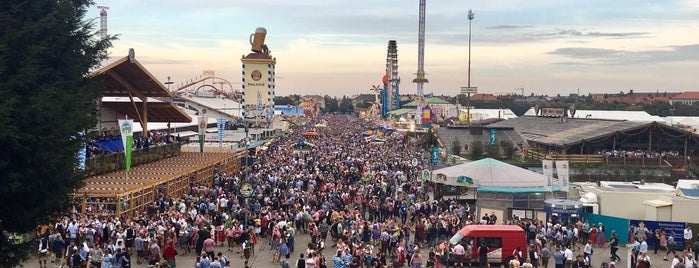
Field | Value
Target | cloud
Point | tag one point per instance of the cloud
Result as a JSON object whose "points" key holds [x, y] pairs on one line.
{"points": [[621, 57], [508, 27]]}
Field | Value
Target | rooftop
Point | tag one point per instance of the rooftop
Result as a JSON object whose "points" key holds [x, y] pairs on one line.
{"points": [[550, 130]]}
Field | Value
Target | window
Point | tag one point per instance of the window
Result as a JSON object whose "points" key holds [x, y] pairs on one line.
{"points": [[492, 242]]}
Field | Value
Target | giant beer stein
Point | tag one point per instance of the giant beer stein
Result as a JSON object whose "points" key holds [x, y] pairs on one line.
{"points": [[257, 40]]}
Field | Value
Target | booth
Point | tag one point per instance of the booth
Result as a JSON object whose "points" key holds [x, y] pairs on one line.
{"points": [[563, 211]]}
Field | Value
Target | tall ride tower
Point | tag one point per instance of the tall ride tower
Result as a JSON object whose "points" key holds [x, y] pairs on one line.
{"points": [[393, 79], [103, 21], [420, 79]]}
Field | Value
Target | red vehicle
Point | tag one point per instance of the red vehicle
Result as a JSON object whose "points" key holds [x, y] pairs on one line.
{"points": [[502, 240]]}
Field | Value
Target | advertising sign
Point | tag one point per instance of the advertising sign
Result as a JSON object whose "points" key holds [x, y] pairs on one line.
{"points": [[552, 112], [547, 166], [256, 84], [676, 229], [435, 154], [563, 174], [492, 136], [426, 175]]}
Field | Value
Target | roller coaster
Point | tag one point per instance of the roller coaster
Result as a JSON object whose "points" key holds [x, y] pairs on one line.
{"points": [[213, 84]]}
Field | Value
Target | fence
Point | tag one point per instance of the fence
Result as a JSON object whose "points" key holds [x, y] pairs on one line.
{"points": [[117, 161]]}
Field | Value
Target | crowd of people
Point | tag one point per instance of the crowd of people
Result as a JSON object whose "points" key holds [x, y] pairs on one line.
{"points": [[362, 205]]}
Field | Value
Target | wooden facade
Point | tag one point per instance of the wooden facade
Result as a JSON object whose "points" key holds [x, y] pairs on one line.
{"points": [[113, 194]]}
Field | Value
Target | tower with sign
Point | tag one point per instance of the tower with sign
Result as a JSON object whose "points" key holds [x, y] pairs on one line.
{"points": [[258, 80]]}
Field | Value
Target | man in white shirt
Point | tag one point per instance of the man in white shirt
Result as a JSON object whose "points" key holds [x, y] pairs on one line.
{"points": [[644, 246], [568, 254], [688, 238]]}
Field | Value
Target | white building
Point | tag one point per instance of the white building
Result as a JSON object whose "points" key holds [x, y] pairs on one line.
{"points": [[644, 201]]}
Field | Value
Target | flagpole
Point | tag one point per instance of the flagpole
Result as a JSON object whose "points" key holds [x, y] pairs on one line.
{"points": [[126, 171]]}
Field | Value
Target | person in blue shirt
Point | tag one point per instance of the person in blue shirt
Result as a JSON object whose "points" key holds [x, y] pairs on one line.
{"points": [[339, 262], [559, 258]]}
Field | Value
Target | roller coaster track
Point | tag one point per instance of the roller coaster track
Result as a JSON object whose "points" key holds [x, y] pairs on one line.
{"points": [[189, 87]]}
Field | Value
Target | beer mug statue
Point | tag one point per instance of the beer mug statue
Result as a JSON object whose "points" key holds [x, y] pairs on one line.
{"points": [[257, 40]]}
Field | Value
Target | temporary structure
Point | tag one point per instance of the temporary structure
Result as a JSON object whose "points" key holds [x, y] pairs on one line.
{"points": [[489, 172]]}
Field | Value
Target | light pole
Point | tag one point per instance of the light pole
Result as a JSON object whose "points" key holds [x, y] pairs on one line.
{"points": [[672, 114], [247, 143], [468, 98]]}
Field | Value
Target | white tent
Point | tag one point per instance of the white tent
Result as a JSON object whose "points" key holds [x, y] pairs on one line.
{"points": [[490, 173]]}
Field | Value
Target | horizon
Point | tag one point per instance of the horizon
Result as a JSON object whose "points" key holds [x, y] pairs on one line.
{"points": [[338, 47]]}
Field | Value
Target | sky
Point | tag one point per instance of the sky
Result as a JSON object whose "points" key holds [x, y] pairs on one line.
{"points": [[338, 47]]}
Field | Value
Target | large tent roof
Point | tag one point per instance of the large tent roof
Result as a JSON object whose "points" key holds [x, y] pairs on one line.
{"points": [[126, 77], [550, 130], [493, 173]]}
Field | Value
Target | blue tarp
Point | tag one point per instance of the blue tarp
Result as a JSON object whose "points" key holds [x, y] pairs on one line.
{"points": [[113, 145]]}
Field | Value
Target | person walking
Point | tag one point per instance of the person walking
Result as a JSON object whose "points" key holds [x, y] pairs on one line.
{"points": [[670, 246], [545, 256], [559, 258], [169, 254], [614, 247]]}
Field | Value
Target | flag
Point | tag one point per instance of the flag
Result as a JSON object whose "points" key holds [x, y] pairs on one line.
{"points": [[221, 124], [547, 166], [126, 128], [563, 174]]}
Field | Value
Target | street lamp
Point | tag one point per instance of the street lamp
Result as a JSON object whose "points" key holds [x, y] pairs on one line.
{"points": [[470, 18], [247, 143], [468, 99], [672, 114]]}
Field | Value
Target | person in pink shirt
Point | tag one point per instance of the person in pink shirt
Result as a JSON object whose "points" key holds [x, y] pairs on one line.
{"points": [[208, 247]]}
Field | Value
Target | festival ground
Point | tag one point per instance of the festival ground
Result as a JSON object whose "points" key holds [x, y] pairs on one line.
{"points": [[263, 256]]}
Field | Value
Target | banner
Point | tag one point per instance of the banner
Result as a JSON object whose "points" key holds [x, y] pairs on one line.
{"points": [[676, 229], [126, 128], [435, 154], [563, 172], [221, 125], [547, 166], [203, 120]]}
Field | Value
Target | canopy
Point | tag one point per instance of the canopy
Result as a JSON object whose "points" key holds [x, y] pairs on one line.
{"points": [[490, 173]]}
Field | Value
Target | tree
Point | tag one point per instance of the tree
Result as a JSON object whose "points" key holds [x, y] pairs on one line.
{"points": [[493, 151], [456, 147], [331, 104], [47, 100], [508, 149], [476, 150]]}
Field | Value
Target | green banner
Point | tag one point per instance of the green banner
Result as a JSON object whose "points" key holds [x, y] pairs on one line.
{"points": [[127, 152]]}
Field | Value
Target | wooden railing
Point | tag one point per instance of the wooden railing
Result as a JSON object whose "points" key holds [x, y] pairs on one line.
{"points": [[117, 161], [572, 158], [676, 162]]}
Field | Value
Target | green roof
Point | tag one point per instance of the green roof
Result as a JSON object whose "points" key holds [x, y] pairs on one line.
{"points": [[515, 190], [433, 100], [254, 145], [401, 111]]}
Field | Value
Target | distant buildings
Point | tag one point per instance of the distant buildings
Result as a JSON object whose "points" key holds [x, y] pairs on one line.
{"points": [[634, 98], [688, 97]]}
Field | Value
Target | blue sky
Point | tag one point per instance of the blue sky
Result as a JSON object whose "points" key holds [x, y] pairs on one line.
{"points": [[338, 47]]}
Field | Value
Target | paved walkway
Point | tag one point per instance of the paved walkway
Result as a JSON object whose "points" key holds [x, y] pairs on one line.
{"points": [[263, 256]]}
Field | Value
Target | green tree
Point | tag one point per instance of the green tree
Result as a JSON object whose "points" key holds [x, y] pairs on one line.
{"points": [[331, 104], [456, 147], [47, 99], [508, 149], [493, 151], [346, 106], [476, 150]]}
